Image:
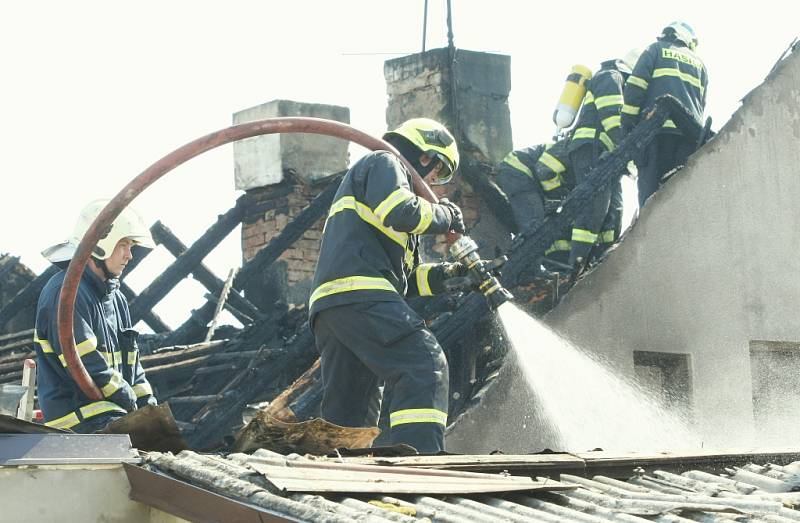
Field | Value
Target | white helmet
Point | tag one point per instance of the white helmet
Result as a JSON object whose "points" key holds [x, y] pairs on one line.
{"points": [[683, 32], [627, 63], [127, 225]]}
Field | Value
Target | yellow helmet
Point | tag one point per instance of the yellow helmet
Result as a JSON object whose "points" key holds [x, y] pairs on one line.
{"points": [[127, 225], [433, 139]]}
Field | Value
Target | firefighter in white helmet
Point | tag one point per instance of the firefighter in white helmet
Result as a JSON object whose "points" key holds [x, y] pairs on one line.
{"points": [[670, 66], [104, 337]]}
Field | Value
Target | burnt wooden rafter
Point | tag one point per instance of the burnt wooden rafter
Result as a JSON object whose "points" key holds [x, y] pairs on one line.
{"points": [[186, 262], [236, 303]]}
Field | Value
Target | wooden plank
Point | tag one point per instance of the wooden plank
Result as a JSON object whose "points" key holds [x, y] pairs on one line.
{"points": [[25, 410], [186, 262], [169, 354], [16, 335], [27, 296], [621, 465], [164, 236], [380, 480], [183, 364], [19, 356], [16, 345], [485, 463], [149, 317]]}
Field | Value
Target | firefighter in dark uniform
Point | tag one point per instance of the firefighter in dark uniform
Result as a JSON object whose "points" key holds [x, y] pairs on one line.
{"points": [[668, 66], [366, 334], [598, 130], [536, 180], [104, 338]]}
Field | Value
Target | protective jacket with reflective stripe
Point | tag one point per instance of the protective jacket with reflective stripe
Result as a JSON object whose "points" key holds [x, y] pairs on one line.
{"points": [[106, 345], [553, 172], [599, 119], [369, 248], [665, 67], [546, 165]]}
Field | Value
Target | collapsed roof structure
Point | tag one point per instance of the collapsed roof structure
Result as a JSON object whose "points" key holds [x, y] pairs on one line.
{"points": [[210, 383]]}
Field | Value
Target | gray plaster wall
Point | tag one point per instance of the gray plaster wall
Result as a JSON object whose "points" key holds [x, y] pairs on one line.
{"points": [[711, 264], [72, 493]]}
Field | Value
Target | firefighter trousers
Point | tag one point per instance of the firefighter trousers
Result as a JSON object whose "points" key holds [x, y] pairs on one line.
{"points": [[366, 346], [602, 215], [663, 154]]}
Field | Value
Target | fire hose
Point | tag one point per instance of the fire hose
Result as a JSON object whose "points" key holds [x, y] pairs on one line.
{"points": [[462, 248]]}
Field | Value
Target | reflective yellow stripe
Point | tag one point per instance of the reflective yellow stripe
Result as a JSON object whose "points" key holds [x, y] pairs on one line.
{"points": [[607, 101], [638, 82], [64, 422], [401, 417], [686, 77], [366, 214], [83, 348], [583, 236], [87, 411], [44, 344], [607, 236], [514, 162], [584, 133], [351, 283], [425, 217], [630, 109], [397, 197], [113, 384], [552, 162], [558, 245], [423, 286], [588, 98], [670, 124], [132, 356], [143, 389], [99, 407], [552, 183], [611, 122], [606, 140], [113, 358]]}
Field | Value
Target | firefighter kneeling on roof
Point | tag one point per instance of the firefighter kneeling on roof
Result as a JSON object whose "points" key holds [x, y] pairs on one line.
{"points": [[366, 334], [104, 338]]}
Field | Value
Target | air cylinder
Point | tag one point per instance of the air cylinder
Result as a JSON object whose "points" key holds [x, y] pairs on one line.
{"points": [[571, 96]]}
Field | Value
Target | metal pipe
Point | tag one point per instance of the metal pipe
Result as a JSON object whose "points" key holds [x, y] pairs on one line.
{"points": [[66, 304], [424, 25]]}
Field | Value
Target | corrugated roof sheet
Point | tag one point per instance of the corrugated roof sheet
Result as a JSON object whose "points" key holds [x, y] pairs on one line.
{"points": [[749, 493]]}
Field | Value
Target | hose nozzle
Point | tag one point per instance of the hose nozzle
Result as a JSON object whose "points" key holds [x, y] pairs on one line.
{"points": [[481, 272]]}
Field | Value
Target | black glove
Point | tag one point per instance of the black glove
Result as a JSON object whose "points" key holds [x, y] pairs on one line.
{"points": [[456, 217]]}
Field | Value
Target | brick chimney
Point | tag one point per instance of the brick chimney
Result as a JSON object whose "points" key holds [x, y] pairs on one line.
{"points": [[469, 96], [281, 174]]}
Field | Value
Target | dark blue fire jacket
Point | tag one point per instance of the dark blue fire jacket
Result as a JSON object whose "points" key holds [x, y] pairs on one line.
{"points": [[107, 346]]}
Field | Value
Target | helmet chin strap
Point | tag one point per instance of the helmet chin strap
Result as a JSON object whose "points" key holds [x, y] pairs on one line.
{"points": [[103, 267]]}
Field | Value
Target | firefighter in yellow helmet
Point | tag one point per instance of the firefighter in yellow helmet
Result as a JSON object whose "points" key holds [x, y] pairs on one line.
{"points": [[366, 334], [104, 337]]}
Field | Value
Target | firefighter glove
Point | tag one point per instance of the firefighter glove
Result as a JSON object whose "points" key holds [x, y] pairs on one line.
{"points": [[456, 217]]}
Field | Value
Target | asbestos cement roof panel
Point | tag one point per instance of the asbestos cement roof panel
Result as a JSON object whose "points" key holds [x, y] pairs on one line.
{"points": [[749, 493]]}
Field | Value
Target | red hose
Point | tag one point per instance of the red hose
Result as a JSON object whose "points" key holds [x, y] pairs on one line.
{"points": [[66, 304]]}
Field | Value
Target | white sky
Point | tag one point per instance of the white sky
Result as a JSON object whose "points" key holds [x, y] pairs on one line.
{"points": [[93, 92]]}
